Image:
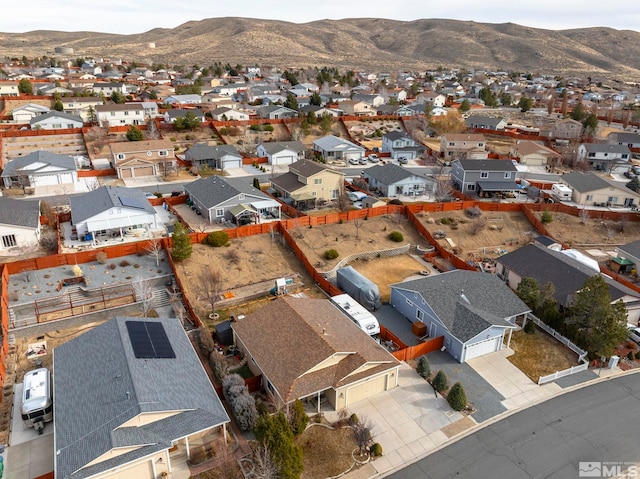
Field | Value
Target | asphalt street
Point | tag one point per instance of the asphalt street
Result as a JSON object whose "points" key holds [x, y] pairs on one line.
{"points": [[598, 423]]}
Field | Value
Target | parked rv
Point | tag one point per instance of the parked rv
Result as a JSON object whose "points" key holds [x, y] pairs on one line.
{"points": [[37, 404], [361, 288], [357, 313]]}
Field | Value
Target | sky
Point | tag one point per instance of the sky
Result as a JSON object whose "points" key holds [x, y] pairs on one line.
{"points": [[138, 16]]}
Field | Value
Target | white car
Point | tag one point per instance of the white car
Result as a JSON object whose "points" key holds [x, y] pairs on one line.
{"points": [[373, 158], [354, 161], [403, 160], [363, 160], [634, 333]]}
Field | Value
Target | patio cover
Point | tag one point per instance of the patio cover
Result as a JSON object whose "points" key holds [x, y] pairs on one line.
{"points": [[302, 196], [239, 209], [265, 204], [498, 185]]}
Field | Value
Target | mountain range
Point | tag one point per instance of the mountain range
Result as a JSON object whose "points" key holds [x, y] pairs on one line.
{"points": [[362, 43]]}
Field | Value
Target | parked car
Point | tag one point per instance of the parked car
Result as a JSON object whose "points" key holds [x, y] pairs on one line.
{"points": [[176, 193], [354, 161], [634, 333], [373, 158], [403, 160], [149, 195], [363, 160], [630, 174]]}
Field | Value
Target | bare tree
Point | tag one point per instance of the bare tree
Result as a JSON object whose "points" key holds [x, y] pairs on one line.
{"points": [[584, 215], [444, 186], [357, 223], [152, 130], [144, 294], [265, 467], [155, 250], [478, 225], [362, 434], [92, 183], [211, 285]]}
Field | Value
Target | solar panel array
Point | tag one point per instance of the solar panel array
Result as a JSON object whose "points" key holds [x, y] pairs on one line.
{"points": [[149, 340]]}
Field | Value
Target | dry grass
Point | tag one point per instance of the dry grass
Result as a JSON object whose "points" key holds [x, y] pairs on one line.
{"points": [[570, 229], [387, 271], [538, 354], [326, 452]]}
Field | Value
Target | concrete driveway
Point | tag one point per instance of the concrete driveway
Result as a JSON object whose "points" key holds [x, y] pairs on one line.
{"points": [[409, 421]]}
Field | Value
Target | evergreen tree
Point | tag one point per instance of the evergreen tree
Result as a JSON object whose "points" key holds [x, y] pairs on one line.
{"points": [[291, 102], [58, 106], [529, 292], [465, 106], [525, 104], [440, 382], [134, 133], [25, 87], [275, 434], [315, 99], [181, 247], [634, 184], [457, 398], [423, 367], [326, 123]]}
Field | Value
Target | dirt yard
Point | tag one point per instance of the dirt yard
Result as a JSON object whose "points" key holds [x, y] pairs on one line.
{"points": [[353, 237], [387, 271], [539, 354], [365, 131], [573, 231], [468, 239], [326, 452], [246, 261]]}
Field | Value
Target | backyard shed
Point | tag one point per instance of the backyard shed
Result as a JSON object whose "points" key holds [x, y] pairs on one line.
{"points": [[224, 333]]}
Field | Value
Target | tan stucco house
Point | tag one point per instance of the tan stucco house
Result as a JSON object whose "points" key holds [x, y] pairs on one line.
{"points": [[135, 159], [308, 183]]}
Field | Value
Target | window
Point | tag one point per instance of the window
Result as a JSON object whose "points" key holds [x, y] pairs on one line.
{"points": [[317, 181], [334, 194], [113, 113], [612, 199], [409, 303], [163, 153], [120, 156], [314, 193], [507, 175], [471, 187], [419, 314], [589, 197], [9, 241], [451, 143], [481, 145], [126, 113], [219, 212], [484, 174], [592, 155]]}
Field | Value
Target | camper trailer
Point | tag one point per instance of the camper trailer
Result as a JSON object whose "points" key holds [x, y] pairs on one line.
{"points": [[357, 313], [37, 406], [562, 192]]}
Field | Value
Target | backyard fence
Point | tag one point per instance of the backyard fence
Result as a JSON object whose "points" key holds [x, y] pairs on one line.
{"points": [[382, 253]]}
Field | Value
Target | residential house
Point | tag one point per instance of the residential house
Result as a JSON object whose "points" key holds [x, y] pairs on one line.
{"points": [[399, 144], [191, 99], [433, 99], [485, 122], [221, 157], [628, 258], [630, 140], [392, 180], [40, 168], [231, 200], [229, 114], [308, 349], [26, 113], [136, 159], [114, 114], [170, 116], [51, 90], [357, 108], [131, 400], [112, 211], [334, 148], [484, 176], [9, 88], [308, 183], [566, 270], [276, 112], [563, 129], [604, 156], [19, 223], [150, 109], [81, 106], [472, 310], [109, 88], [532, 153], [468, 146], [590, 189], [282, 152], [373, 99], [56, 120], [398, 95]]}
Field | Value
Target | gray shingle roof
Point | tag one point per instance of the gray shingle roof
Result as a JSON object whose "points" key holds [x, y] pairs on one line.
{"points": [[390, 174], [62, 162], [19, 212], [56, 114], [632, 248], [584, 182], [201, 152], [215, 190], [606, 148], [623, 137], [333, 143], [273, 147], [564, 272], [467, 302], [90, 204], [396, 135], [99, 385], [487, 165]]}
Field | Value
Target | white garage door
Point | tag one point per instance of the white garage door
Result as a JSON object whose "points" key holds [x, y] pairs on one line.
{"points": [[283, 160], [231, 163], [364, 390], [483, 347]]}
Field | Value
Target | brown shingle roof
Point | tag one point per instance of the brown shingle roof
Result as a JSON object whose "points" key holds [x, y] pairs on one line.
{"points": [[141, 146], [290, 337]]}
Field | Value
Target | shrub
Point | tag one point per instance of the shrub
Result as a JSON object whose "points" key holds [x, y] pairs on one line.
{"points": [[275, 434], [242, 404], [457, 398], [112, 266], [331, 254], [446, 221], [267, 127], [101, 257], [298, 419], [546, 217], [440, 382], [396, 236], [124, 263], [530, 327], [423, 367], [638, 355], [376, 449], [473, 212], [353, 419], [254, 127], [216, 239], [631, 356], [395, 201]]}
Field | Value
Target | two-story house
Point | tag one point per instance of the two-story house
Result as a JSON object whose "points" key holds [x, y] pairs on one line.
{"points": [[564, 129], [333, 148], [631, 140], [464, 146], [81, 106], [401, 145], [120, 114], [108, 88], [484, 176], [136, 159], [605, 157], [308, 183], [357, 108], [9, 88]]}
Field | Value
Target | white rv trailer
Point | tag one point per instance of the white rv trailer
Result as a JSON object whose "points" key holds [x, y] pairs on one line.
{"points": [[357, 313], [37, 405]]}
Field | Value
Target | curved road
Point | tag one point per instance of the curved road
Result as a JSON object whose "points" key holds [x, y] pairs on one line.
{"points": [[597, 423]]}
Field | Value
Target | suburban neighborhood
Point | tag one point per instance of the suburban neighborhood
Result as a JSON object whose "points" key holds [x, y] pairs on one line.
{"points": [[252, 271]]}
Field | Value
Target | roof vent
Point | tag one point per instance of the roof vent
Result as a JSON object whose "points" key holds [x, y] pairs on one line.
{"points": [[462, 295]]}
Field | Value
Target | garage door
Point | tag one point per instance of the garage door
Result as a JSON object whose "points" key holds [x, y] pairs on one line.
{"points": [[483, 347], [364, 390], [232, 164], [143, 171], [125, 172], [284, 160]]}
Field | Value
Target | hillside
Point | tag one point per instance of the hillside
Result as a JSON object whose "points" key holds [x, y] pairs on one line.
{"points": [[357, 43]]}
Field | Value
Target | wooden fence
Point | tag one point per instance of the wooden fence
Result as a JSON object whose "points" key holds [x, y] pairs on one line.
{"points": [[4, 326], [412, 352]]}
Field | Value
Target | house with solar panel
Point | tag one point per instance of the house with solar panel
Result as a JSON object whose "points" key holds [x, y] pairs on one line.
{"points": [[132, 400], [111, 212]]}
